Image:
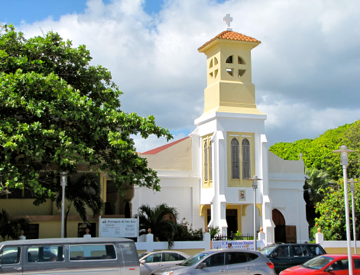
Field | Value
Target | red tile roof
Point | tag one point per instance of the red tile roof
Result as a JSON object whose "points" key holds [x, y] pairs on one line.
{"points": [[230, 35], [162, 148]]}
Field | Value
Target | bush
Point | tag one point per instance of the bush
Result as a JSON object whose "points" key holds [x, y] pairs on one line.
{"points": [[183, 233]]}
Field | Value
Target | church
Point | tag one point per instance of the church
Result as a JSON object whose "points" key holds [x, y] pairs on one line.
{"points": [[222, 174], [209, 176]]}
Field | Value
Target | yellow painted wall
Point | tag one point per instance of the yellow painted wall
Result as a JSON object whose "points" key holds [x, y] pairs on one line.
{"points": [[52, 229], [191, 251], [19, 207], [330, 250], [229, 92]]}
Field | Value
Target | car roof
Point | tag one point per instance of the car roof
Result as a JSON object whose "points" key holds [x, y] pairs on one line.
{"points": [[212, 251], [65, 241], [278, 244]]}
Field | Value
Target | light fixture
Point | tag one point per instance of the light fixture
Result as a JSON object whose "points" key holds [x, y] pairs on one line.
{"points": [[63, 183], [344, 161], [352, 190], [254, 186]]}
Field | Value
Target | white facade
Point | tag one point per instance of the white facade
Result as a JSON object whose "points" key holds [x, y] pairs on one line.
{"points": [[218, 201]]}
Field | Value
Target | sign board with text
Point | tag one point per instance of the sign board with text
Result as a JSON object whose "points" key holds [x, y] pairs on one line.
{"points": [[127, 228], [248, 245]]}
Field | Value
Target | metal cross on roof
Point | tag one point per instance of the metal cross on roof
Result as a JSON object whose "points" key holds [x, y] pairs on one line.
{"points": [[228, 19]]}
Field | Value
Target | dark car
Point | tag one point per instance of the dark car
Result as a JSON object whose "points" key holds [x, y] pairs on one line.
{"points": [[287, 255]]}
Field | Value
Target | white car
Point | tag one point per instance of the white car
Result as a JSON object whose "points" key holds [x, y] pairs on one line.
{"points": [[150, 261]]}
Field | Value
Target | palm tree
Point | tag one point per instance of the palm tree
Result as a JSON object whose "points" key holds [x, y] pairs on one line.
{"points": [[81, 193], [11, 227], [161, 220], [315, 184]]}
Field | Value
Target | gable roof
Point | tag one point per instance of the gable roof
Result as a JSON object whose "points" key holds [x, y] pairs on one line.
{"points": [[162, 148], [230, 35]]}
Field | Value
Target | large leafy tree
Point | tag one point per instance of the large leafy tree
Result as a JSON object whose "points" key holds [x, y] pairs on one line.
{"points": [[331, 212], [317, 152], [161, 219], [57, 111]]}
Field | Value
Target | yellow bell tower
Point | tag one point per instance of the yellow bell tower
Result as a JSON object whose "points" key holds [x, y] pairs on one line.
{"points": [[229, 87]]}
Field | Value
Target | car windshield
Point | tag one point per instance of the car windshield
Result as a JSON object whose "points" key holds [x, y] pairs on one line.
{"points": [[318, 262], [194, 259], [143, 254], [267, 250]]}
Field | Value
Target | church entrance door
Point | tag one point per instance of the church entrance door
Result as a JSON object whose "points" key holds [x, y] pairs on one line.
{"points": [[280, 227], [232, 221]]}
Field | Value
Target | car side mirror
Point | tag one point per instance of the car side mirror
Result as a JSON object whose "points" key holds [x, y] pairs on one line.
{"points": [[274, 255], [142, 261], [330, 268], [201, 265]]}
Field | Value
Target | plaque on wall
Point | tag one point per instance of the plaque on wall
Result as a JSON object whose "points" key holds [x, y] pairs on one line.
{"points": [[242, 196]]}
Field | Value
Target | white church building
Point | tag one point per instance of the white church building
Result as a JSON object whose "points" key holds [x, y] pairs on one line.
{"points": [[207, 176]]}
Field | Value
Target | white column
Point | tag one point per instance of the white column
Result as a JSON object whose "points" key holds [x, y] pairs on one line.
{"points": [[267, 223], [218, 208]]}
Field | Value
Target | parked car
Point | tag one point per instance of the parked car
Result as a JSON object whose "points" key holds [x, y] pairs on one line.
{"points": [[150, 261], [218, 261], [287, 255], [69, 256], [334, 264]]}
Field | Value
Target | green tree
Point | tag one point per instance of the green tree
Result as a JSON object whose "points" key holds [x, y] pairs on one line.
{"points": [[11, 227], [161, 220], [331, 212], [316, 182], [318, 152], [58, 111]]}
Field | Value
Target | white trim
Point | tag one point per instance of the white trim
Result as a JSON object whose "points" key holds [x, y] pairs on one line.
{"points": [[214, 115]]}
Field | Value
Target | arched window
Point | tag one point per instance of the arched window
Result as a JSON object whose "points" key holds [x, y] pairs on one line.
{"points": [[210, 160], [235, 171], [246, 158], [205, 161]]}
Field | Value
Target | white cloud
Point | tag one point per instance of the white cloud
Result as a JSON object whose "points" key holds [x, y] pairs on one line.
{"points": [[305, 70]]}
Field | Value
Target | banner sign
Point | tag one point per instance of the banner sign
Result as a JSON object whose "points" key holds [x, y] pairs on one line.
{"points": [[128, 228], [248, 245]]}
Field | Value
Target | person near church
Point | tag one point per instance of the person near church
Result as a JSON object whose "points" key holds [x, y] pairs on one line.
{"points": [[87, 233], [22, 236]]}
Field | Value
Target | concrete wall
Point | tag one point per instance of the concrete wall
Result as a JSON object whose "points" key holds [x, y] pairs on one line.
{"points": [[179, 190]]}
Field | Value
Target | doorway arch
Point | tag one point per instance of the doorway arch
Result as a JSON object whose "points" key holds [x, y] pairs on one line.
{"points": [[280, 226]]}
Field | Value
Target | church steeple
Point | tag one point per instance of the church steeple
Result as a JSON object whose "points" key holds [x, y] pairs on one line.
{"points": [[229, 87]]}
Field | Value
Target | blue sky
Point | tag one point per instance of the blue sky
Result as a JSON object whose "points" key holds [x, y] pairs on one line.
{"points": [[305, 70], [15, 11]]}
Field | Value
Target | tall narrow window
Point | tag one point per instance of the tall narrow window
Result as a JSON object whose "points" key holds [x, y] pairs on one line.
{"points": [[246, 158], [210, 160], [235, 171], [205, 161]]}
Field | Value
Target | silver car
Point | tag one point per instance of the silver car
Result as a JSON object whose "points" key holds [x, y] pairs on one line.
{"points": [[150, 261], [222, 261]]}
